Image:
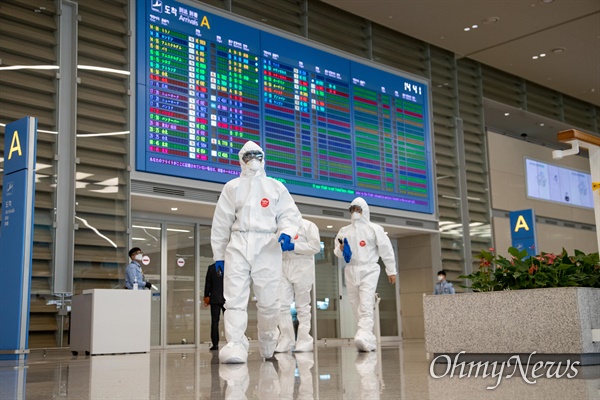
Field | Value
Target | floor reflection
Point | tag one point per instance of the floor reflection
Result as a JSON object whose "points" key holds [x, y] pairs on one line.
{"points": [[398, 371]]}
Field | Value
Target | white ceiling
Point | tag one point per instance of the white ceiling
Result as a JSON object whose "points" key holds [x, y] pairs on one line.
{"points": [[525, 28]]}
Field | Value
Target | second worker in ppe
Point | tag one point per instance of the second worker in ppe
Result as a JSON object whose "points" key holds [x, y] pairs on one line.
{"points": [[296, 281], [254, 220], [361, 244]]}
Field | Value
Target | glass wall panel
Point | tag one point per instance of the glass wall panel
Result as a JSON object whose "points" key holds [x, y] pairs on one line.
{"points": [[206, 258], [181, 284], [327, 275], [147, 236]]}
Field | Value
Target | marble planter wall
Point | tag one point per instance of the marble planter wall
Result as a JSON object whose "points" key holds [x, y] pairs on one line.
{"points": [[547, 321]]}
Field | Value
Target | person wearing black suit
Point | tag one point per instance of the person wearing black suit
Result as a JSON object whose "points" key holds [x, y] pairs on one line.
{"points": [[213, 296]]}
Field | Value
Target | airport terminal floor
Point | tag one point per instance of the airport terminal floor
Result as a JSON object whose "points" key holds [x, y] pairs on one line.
{"points": [[399, 370]]}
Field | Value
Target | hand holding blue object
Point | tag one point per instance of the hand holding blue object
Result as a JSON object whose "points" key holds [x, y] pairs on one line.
{"points": [[286, 242], [220, 265], [347, 252]]}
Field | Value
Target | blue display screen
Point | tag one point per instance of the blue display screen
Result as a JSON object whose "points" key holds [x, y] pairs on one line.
{"points": [[331, 127]]}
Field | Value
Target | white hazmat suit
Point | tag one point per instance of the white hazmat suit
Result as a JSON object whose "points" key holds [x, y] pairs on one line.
{"points": [[252, 212], [368, 242], [296, 281]]}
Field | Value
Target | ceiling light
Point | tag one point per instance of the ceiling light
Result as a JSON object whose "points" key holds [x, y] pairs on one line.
{"points": [[535, 57], [506, 114], [546, 1], [18, 67], [138, 239], [491, 20], [467, 29], [173, 208], [103, 69], [475, 26], [329, 226], [541, 124], [558, 50], [543, 55]]}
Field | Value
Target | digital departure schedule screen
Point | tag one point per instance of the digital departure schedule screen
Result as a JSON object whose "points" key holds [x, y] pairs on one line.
{"points": [[331, 127]]}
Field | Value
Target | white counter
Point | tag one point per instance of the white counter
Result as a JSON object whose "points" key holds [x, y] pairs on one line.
{"points": [[111, 321]]}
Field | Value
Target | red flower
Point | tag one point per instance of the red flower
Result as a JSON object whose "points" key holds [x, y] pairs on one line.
{"points": [[533, 269]]}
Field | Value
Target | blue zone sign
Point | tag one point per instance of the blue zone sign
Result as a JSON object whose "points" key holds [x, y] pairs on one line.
{"points": [[522, 231], [16, 236]]}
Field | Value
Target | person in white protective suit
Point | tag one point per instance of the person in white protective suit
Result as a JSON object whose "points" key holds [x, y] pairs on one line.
{"points": [[254, 221], [361, 244], [296, 281]]}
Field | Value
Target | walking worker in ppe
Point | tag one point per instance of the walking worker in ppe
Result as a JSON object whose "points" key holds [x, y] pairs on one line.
{"points": [[254, 221], [361, 244], [296, 281]]}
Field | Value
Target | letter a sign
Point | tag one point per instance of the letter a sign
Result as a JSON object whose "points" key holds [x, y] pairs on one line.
{"points": [[522, 231]]}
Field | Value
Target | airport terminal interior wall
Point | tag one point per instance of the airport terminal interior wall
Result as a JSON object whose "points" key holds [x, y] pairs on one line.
{"points": [[29, 37], [559, 226]]}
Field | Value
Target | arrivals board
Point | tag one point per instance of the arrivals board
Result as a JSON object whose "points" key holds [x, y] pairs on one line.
{"points": [[331, 126]]}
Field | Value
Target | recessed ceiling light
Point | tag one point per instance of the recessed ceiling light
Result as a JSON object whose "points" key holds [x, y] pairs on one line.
{"points": [[558, 50], [491, 20], [467, 29], [546, 1], [475, 26], [535, 57], [506, 114], [330, 226], [543, 55], [173, 208], [541, 124]]}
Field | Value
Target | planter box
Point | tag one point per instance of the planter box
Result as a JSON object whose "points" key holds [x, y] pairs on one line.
{"points": [[555, 323]]}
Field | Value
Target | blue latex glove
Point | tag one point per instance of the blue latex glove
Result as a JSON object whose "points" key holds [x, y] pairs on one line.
{"points": [[347, 251], [220, 265], [286, 242]]}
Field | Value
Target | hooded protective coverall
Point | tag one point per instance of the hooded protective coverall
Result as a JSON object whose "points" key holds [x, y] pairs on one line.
{"points": [[251, 213], [296, 281], [368, 242]]}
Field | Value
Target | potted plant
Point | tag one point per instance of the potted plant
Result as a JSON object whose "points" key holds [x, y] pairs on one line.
{"points": [[545, 270], [556, 318]]}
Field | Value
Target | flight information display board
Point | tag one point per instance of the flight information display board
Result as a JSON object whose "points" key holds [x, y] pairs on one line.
{"points": [[331, 127]]}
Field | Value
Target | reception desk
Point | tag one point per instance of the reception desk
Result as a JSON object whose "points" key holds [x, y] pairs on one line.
{"points": [[110, 321]]}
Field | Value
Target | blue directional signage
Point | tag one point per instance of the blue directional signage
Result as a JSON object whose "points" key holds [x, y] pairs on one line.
{"points": [[522, 231], [16, 236]]}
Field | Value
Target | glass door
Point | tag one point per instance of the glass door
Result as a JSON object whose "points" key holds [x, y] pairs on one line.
{"points": [[148, 237], [181, 284]]}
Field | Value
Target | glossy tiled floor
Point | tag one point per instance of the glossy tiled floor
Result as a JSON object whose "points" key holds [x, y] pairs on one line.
{"points": [[335, 371]]}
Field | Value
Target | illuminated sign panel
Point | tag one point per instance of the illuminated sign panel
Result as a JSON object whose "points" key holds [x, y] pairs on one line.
{"points": [[331, 127], [558, 184]]}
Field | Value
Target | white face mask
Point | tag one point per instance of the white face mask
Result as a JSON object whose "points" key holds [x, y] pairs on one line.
{"points": [[356, 216], [138, 257], [440, 278], [254, 165]]}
